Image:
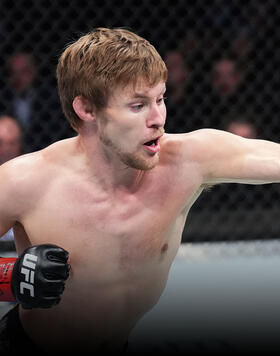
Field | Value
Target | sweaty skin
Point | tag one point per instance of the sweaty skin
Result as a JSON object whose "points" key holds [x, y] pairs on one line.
{"points": [[122, 237]]}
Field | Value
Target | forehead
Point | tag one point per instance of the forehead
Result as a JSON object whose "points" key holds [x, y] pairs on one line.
{"points": [[140, 90]]}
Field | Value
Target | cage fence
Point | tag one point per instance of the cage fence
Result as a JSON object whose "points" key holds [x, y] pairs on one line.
{"points": [[223, 61]]}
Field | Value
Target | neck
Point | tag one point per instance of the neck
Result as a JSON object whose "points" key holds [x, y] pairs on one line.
{"points": [[104, 167]]}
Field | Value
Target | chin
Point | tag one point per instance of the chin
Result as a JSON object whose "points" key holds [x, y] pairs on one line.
{"points": [[140, 163]]}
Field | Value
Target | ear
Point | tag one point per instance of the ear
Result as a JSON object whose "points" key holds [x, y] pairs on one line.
{"points": [[83, 108]]}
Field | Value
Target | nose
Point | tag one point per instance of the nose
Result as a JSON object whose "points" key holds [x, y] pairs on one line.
{"points": [[157, 115]]}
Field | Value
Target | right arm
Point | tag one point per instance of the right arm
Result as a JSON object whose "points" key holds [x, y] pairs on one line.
{"points": [[36, 279], [8, 203], [20, 182], [8, 218]]}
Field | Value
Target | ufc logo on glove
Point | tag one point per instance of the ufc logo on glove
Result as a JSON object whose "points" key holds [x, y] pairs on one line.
{"points": [[36, 279], [29, 265]]}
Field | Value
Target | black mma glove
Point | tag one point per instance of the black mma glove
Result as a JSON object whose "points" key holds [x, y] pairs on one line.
{"points": [[39, 276]]}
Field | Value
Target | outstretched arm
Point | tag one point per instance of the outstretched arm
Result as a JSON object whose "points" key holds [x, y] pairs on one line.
{"points": [[228, 158]]}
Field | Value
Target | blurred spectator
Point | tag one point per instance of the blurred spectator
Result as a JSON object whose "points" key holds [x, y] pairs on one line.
{"points": [[227, 92], [242, 45], [242, 127], [10, 147], [34, 103], [21, 80], [178, 73], [10, 138], [179, 104], [226, 77]]}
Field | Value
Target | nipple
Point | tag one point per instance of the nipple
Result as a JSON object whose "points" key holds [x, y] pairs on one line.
{"points": [[164, 248]]}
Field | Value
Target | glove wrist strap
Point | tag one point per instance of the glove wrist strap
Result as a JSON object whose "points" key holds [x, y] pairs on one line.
{"points": [[6, 269]]}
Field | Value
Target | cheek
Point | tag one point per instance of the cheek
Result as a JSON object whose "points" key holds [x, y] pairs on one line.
{"points": [[163, 111], [122, 136], [123, 130]]}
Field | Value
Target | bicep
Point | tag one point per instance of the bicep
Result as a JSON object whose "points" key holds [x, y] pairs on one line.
{"points": [[7, 220], [228, 158], [7, 203]]}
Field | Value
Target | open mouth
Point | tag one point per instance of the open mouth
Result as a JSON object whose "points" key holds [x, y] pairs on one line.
{"points": [[152, 142], [153, 145]]}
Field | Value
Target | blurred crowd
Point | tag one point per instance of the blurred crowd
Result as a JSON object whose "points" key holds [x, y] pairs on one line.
{"points": [[218, 97], [32, 103], [225, 77]]}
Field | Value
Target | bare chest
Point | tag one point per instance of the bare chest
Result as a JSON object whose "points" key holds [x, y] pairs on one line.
{"points": [[120, 230]]}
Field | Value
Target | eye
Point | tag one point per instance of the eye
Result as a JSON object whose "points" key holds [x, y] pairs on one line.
{"points": [[137, 107], [161, 100]]}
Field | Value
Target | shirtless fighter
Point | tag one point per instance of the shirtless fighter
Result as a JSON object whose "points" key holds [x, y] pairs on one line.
{"points": [[115, 197]]}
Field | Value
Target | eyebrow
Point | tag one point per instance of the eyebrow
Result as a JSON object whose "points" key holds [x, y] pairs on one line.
{"points": [[144, 96], [139, 96]]}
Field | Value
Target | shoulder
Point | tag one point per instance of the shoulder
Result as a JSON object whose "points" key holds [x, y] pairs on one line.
{"points": [[195, 145], [187, 145], [17, 185], [25, 179], [33, 166], [20, 175]]}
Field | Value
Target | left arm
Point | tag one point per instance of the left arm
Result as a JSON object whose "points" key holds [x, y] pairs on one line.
{"points": [[227, 158]]}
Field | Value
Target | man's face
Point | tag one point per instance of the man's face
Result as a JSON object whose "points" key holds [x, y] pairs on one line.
{"points": [[226, 78], [133, 118], [177, 69], [22, 72]]}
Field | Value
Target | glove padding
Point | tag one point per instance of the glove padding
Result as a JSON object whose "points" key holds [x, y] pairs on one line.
{"points": [[39, 276]]}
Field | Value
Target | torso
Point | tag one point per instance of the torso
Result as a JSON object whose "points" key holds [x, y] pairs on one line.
{"points": [[121, 248]]}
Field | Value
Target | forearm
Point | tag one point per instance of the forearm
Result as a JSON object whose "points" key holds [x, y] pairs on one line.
{"points": [[263, 167], [252, 170]]}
